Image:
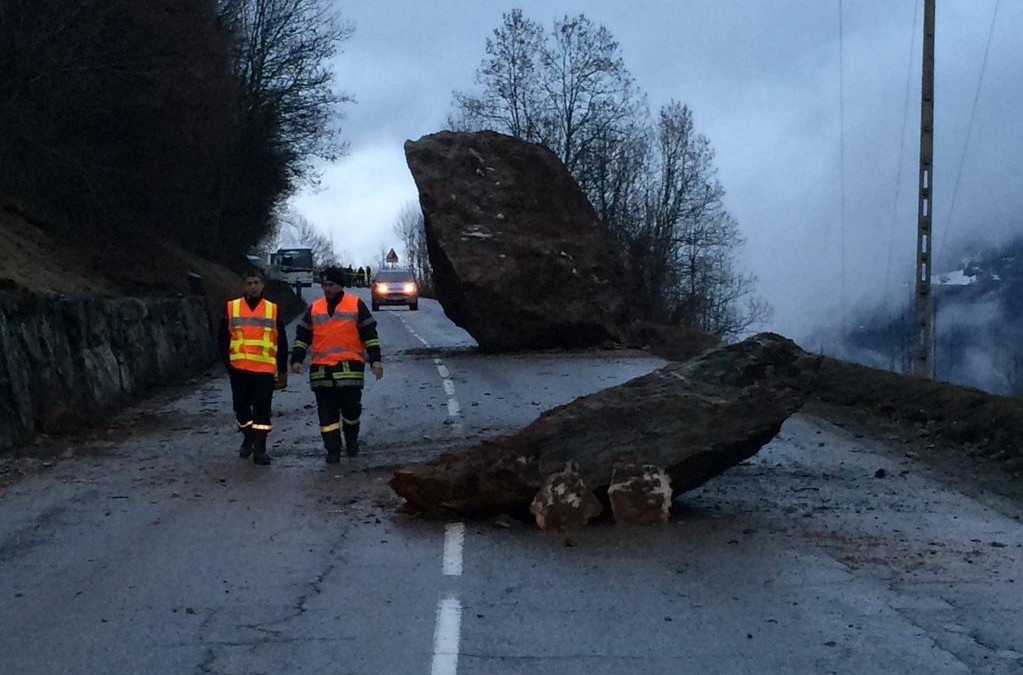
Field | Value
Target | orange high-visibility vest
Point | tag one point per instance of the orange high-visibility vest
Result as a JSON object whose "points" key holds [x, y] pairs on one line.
{"points": [[253, 336], [336, 338]]}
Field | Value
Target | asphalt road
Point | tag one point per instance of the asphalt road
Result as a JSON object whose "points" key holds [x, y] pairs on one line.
{"points": [[151, 548]]}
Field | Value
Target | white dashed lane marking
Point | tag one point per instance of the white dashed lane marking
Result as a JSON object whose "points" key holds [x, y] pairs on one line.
{"points": [[413, 331], [454, 537], [447, 632], [454, 409], [446, 636]]}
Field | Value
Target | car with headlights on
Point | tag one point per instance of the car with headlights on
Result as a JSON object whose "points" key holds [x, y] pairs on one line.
{"points": [[395, 287]]}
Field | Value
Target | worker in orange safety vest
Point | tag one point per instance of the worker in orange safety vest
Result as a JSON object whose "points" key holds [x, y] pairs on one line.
{"points": [[340, 333], [254, 348]]}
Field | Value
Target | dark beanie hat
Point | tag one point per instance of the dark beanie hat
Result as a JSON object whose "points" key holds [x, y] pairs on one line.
{"points": [[334, 274]]}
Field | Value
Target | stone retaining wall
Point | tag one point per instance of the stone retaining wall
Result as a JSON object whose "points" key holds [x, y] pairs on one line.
{"points": [[65, 361]]}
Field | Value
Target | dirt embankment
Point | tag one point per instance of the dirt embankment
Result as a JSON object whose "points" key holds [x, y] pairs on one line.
{"points": [[33, 259], [947, 413]]}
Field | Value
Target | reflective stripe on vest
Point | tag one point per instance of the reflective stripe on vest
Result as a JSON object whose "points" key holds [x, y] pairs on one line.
{"points": [[253, 336], [336, 338]]}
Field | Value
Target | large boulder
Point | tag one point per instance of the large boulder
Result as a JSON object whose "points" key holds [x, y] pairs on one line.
{"points": [[520, 259], [694, 419]]}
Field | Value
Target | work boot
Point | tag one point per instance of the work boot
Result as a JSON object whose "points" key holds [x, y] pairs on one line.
{"points": [[332, 443], [259, 455], [246, 447], [352, 440]]}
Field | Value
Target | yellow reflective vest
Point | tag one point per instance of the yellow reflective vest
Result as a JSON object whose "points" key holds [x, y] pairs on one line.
{"points": [[253, 334]]}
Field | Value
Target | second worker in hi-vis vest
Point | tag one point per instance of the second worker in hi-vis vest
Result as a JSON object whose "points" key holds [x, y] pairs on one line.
{"points": [[341, 336]]}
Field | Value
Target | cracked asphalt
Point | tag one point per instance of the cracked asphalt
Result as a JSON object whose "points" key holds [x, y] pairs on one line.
{"points": [[151, 548]]}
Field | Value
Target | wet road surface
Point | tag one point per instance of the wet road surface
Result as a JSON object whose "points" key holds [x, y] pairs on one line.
{"points": [[154, 549]]}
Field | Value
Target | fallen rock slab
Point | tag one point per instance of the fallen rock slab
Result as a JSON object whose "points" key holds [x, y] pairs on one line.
{"points": [[694, 419]]}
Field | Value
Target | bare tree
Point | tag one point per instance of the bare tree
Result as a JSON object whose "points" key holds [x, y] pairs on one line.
{"points": [[682, 188], [588, 89], [411, 230], [689, 237], [705, 290], [512, 98], [195, 118], [270, 241], [298, 230], [654, 187], [343, 258], [616, 176], [115, 113], [289, 111], [562, 89], [282, 49]]}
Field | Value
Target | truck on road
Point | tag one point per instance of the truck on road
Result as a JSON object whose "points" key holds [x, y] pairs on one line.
{"points": [[294, 266]]}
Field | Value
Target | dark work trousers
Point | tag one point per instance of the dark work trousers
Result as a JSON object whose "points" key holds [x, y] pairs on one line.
{"points": [[252, 394], [338, 407]]}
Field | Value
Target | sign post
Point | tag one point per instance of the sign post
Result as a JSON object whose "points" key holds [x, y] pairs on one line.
{"points": [[392, 257]]}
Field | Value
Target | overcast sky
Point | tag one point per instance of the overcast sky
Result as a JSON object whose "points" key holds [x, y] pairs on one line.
{"points": [[763, 81]]}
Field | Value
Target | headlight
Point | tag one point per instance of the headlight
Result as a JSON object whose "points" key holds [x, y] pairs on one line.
{"points": [[409, 288], [381, 288]]}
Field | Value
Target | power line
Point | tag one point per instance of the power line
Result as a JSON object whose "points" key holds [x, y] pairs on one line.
{"points": [[902, 145], [841, 157], [969, 131]]}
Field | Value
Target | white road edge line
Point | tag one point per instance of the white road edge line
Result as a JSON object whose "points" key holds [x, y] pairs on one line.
{"points": [[446, 636], [454, 538]]}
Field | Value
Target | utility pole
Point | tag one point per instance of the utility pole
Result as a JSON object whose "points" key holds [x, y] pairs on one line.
{"points": [[923, 333]]}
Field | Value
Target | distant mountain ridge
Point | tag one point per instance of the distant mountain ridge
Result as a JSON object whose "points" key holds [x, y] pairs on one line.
{"points": [[978, 324]]}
